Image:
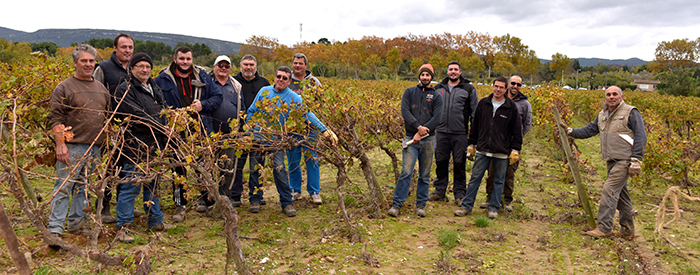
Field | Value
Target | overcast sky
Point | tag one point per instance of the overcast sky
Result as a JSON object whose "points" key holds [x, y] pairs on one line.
{"points": [[613, 29]]}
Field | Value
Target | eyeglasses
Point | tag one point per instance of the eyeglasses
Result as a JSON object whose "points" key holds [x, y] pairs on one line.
{"points": [[516, 84], [223, 66], [142, 67], [283, 77]]}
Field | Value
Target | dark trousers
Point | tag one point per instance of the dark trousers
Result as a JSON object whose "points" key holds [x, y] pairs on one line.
{"points": [[455, 145], [178, 189], [229, 186], [509, 185]]}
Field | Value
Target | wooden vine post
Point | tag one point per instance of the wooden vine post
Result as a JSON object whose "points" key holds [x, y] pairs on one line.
{"points": [[582, 195]]}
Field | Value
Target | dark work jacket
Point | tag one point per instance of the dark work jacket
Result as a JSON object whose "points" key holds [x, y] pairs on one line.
{"points": [[250, 88], [499, 133], [459, 106], [421, 106], [113, 73], [144, 133]]}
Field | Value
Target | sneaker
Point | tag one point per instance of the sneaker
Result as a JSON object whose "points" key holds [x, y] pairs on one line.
{"points": [[179, 214], [485, 204], [420, 211], [393, 211], [236, 202], [436, 197], [296, 196], [107, 217], [254, 207], [597, 233], [493, 214], [290, 211], [201, 207], [458, 202], [462, 212], [316, 198], [509, 207], [161, 227], [124, 235], [263, 202]]}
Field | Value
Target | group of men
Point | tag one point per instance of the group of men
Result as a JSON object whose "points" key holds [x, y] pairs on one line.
{"points": [[437, 123], [80, 106]]}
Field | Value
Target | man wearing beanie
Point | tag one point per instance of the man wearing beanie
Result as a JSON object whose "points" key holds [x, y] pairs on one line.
{"points": [[140, 100], [184, 84], [460, 100], [421, 108]]}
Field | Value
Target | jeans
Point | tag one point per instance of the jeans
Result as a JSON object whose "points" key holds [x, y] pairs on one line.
{"points": [[455, 145], [509, 183], [481, 164], [616, 196], [423, 152], [73, 184], [313, 174], [278, 171], [127, 197]]}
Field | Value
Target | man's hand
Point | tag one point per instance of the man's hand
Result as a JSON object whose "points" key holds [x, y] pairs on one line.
{"points": [[330, 136], [61, 135], [567, 128], [422, 131], [634, 167], [197, 105], [471, 152], [416, 138], [514, 157]]}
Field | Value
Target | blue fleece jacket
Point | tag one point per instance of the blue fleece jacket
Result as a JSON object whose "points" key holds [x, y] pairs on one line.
{"points": [[285, 96]]}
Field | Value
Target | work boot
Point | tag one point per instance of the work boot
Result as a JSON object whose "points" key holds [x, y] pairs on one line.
{"points": [[462, 212], [179, 214], [106, 216], [597, 233], [458, 202], [393, 211], [493, 214], [436, 197], [263, 202], [137, 213], [124, 235], [316, 198], [236, 202], [296, 196], [201, 207], [161, 227], [420, 211], [254, 207], [290, 211], [485, 204]]}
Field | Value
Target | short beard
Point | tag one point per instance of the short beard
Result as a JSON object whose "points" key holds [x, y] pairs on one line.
{"points": [[453, 79], [185, 71]]}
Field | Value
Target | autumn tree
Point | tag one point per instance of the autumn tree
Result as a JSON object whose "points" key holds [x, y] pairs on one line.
{"points": [[373, 61], [679, 53], [560, 62], [393, 60], [260, 46]]}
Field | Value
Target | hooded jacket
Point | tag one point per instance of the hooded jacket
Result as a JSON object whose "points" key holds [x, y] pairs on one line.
{"points": [[144, 134], [210, 95], [421, 106], [296, 83], [525, 111], [250, 88], [497, 133], [110, 73], [458, 106]]}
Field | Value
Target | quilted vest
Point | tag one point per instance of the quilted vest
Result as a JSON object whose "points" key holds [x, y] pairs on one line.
{"points": [[612, 127]]}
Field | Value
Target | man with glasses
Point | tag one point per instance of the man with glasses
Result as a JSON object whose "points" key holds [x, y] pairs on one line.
{"points": [[281, 97], [525, 111], [186, 85], [221, 117]]}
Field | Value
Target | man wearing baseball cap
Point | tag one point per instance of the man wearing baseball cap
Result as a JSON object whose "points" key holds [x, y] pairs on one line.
{"points": [[421, 109]]}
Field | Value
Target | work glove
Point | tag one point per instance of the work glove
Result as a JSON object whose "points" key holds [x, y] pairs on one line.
{"points": [[567, 128], [328, 134], [471, 152], [634, 167], [514, 157]]}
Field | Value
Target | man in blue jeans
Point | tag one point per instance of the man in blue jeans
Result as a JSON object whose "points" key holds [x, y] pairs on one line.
{"points": [[77, 109], [140, 100], [421, 109], [281, 97], [496, 132]]}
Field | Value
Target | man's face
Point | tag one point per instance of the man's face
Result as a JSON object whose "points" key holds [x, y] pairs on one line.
{"points": [[453, 72], [613, 97], [248, 68], [425, 78], [222, 69], [298, 66], [499, 90], [183, 60], [282, 80], [124, 49], [84, 66], [515, 83], [142, 71]]}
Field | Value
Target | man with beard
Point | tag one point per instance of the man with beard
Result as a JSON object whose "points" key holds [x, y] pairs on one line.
{"points": [[181, 83], [525, 111], [421, 109], [459, 103]]}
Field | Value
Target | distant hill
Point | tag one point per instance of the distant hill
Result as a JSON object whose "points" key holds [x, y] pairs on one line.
{"points": [[585, 62], [65, 37]]}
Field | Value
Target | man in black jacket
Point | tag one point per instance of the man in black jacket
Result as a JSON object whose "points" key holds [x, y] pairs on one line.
{"points": [[141, 101], [111, 73], [459, 101], [496, 132]]}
